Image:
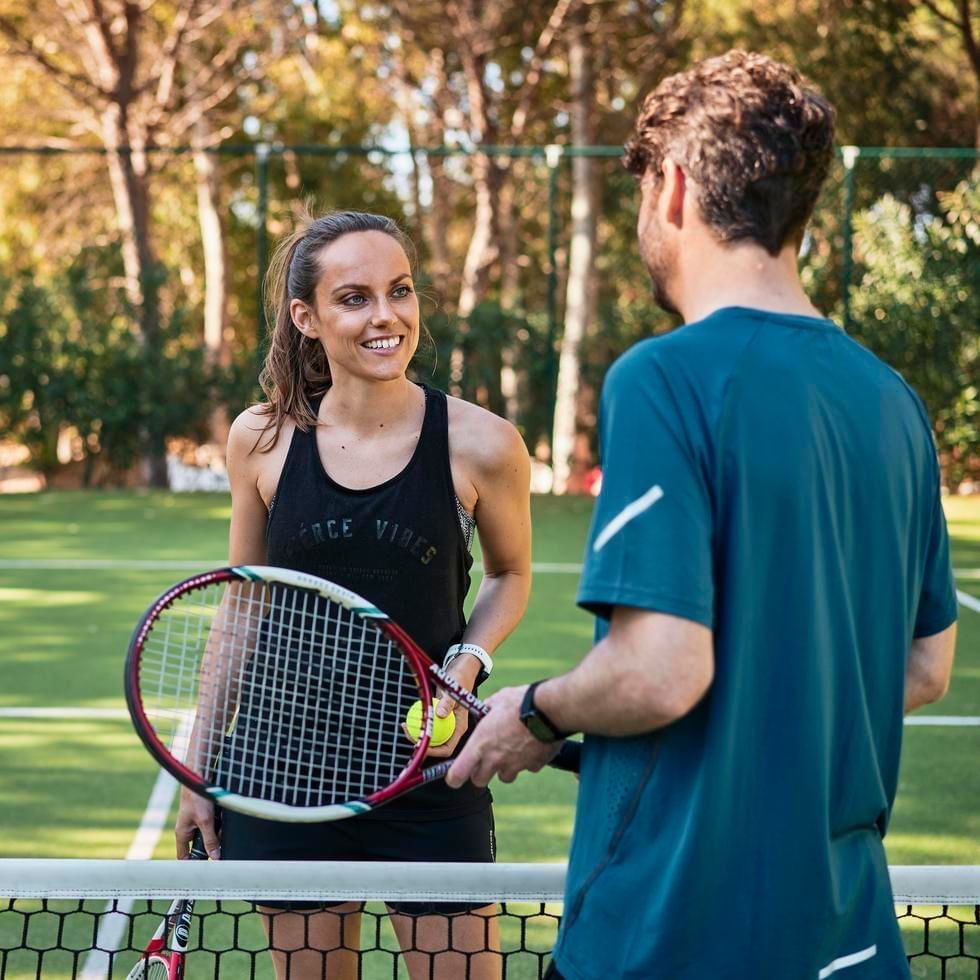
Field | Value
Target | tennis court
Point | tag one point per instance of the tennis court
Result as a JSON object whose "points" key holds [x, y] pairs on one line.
{"points": [[76, 570]]}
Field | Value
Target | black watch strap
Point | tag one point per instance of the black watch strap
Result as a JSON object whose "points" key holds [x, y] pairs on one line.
{"points": [[536, 721]]}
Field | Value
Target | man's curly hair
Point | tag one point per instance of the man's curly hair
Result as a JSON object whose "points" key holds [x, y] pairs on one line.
{"points": [[755, 136]]}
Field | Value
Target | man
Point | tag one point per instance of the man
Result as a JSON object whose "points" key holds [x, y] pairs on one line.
{"points": [[769, 568]]}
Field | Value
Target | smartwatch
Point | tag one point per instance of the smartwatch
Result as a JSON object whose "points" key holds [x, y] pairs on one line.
{"points": [[486, 664], [536, 721]]}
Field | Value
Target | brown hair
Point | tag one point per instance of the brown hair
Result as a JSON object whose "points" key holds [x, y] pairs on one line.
{"points": [[755, 136], [296, 369]]}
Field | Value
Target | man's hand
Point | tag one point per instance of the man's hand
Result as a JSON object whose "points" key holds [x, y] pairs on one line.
{"points": [[500, 745]]}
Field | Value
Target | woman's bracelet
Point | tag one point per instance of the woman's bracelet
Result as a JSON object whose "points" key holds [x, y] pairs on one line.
{"points": [[486, 663]]}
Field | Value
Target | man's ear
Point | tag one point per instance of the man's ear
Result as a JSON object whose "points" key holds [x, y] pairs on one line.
{"points": [[302, 317], [672, 194]]}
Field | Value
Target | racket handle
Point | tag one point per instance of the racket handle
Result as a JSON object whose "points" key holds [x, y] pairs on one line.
{"points": [[569, 758], [198, 853]]}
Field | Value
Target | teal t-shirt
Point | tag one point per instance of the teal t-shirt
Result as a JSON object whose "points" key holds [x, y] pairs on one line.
{"points": [[768, 477]]}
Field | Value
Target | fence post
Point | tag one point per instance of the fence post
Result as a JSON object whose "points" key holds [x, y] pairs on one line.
{"points": [[849, 155], [552, 156], [261, 240]]}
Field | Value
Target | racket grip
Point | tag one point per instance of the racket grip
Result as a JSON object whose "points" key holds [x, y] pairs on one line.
{"points": [[198, 853], [569, 758]]}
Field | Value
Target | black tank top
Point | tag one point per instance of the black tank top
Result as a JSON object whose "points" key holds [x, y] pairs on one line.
{"points": [[401, 545]]}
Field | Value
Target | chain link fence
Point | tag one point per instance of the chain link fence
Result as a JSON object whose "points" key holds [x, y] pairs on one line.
{"points": [[891, 254]]}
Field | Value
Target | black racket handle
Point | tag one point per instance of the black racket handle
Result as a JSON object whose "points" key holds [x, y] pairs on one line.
{"points": [[569, 758], [198, 853]]}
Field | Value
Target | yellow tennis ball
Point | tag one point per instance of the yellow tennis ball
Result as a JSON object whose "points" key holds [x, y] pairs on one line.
{"points": [[442, 728]]}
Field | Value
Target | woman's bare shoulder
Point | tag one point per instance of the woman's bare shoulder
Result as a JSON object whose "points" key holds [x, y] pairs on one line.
{"points": [[252, 438], [480, 437]]}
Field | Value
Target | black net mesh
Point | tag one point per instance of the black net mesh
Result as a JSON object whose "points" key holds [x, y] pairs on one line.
{"points": [[88, 938]]}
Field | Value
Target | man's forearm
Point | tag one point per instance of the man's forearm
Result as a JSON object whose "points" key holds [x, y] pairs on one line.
{"points": [[622, 687], [929, 667]]}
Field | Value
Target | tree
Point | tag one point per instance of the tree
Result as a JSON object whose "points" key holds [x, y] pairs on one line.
{"points": [[917, 305], [595, 29], [581, 286], [962, 16], [480, 74], [129, 75]]}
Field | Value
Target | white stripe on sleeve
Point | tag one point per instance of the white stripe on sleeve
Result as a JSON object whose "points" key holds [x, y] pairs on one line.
{"points": [[842, 962], [627, 514]]}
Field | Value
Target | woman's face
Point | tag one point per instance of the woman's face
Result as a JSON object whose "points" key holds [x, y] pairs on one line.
{"points": [[366, 312]]}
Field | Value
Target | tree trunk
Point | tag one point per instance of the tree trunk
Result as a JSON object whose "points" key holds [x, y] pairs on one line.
{"points": [[580, 262], [437, 227], [131, 197], [480, 256], [216, 347], [509, 294], [130, 189], [483, 249]]}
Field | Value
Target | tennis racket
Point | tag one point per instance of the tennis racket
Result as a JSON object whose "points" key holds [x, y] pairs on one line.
{"points": [[163, 958], [281, 695]]}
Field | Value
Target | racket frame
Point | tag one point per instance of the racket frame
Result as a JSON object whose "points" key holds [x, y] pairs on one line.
{"points": [[425, 670], [176, 925]]}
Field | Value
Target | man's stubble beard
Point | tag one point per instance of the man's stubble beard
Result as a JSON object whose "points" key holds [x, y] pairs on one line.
{"points": [[660, 269]]}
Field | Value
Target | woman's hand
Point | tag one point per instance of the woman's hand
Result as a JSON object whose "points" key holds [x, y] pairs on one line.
{"points": [[465, 669], [196, 813], [449, 706]]}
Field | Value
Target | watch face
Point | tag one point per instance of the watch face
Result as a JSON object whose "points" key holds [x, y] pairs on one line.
{"points": [[541, 731], [536, 725]]}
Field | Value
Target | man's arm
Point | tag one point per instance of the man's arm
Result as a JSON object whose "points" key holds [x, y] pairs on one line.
{"points": [[929, 667], [650, 670]]}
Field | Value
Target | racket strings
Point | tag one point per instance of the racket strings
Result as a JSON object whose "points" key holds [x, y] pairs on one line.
{"points": [[279, 693]]}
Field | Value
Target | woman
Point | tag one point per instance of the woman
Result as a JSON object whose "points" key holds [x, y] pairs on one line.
{"points": [[352, 472]]}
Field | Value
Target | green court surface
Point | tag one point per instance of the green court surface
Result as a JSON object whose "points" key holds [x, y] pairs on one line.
{"points": [[79, 786]]}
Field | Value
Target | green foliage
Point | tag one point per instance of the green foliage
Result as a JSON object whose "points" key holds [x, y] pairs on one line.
{"points": [[69, 359], [482, 340], [916, 303], [34, 368]]}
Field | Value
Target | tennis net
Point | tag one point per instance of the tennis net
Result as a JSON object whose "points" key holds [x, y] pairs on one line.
{"points": [[92, 919]]}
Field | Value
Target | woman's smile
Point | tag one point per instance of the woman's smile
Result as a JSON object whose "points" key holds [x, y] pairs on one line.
{"points": [[387, 344]]}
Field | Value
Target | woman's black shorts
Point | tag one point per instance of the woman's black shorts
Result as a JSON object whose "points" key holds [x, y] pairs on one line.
{"points": [[466, 838]]}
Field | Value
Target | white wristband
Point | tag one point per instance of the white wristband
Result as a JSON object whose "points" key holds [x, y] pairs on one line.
{"points": [[486, 664]]}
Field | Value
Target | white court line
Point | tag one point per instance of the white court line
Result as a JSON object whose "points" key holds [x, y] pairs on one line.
{"points": [[162, 565], [97, 564], [944, 721], [971, 602], [121, 714], [97, 714], [114, 925]]}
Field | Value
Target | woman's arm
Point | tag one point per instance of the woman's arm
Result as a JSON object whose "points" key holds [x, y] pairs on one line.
{"points": [[489, 454], [246, 546], [246, 535]]}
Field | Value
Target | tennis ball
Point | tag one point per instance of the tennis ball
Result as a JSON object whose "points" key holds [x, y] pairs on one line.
{"points": [[442, 728]]}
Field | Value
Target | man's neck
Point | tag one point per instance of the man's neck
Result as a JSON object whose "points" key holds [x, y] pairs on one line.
{"points": [[741, 275]]}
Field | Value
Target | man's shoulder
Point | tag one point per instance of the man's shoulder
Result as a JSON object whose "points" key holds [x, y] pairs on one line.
{"points": [[644, 359], [702, 347], [670, 368]]}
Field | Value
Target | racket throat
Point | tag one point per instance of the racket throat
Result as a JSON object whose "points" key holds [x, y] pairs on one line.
{"points": [[459, 693]]}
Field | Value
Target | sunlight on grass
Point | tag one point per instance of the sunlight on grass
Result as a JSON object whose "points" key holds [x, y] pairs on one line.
{"points": [[913, 848], [42, 598], [78, 788]]}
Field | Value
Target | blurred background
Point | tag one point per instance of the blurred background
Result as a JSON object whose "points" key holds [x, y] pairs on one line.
{"points": [[152, 153]]}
